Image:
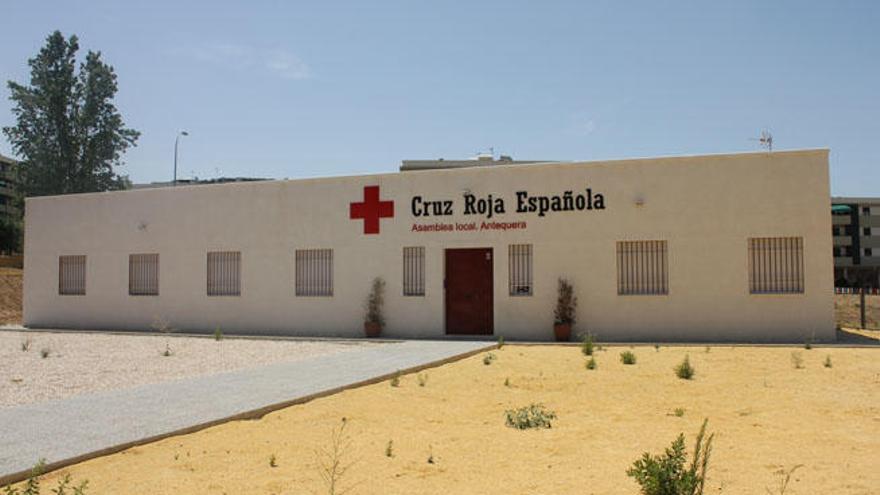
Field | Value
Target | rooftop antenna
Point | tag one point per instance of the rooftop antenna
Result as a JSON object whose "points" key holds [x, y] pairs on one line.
{"points": [[766, 140]]}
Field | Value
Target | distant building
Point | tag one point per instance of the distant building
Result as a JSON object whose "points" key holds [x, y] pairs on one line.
{"points": [[198, 182], [478, 161], [8, 206], [855, 226]]}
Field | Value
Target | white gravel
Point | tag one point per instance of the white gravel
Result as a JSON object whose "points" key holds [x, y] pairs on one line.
{"points": [[87, 362]]}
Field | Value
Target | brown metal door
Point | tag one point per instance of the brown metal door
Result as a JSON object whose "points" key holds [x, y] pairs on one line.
{"points": [[469, 291]]}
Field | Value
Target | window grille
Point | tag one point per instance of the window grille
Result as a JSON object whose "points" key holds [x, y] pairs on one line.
{"points": [[314, 272], [143, 274], [414, 271], [520, 269], [642, 268], [72, 275], [224, 273], [776, 265]]}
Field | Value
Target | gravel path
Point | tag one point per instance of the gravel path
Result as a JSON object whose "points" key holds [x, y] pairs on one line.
{"points": [[88, 362]]}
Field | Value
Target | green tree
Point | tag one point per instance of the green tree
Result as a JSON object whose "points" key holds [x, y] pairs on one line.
{"points": [[69, 134], [10, 235]]}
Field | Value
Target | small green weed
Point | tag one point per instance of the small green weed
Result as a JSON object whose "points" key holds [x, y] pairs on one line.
{"points": [[684, 370], [44, 352], [273, 461], [827, 362], [32, 485], [488, 358], [678, 412], [422, 378], [507, 382], [785, 479], [500, 341], [218, 334], [627, 357], [395, 380], [25, 345], [587, 344], [591, 363]]}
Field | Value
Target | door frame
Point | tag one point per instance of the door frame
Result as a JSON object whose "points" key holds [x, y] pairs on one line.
{"points": [[491, 251]]}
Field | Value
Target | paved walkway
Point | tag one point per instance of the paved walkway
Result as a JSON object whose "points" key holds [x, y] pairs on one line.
{"points": [[67, 429]]}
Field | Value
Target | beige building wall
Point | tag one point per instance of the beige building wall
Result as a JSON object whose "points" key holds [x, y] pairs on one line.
{"points": [[706, 207]]}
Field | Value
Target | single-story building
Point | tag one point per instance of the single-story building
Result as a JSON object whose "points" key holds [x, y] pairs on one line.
{"points": [[727, 247]]}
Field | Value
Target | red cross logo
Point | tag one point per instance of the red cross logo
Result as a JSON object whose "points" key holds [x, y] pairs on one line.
{"points": [[371, 210]]}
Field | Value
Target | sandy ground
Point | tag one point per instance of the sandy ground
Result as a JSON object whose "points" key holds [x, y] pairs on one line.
{"points": [[88, 362], [766, 414], [847, 311]]}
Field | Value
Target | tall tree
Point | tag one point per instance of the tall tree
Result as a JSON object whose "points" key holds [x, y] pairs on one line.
{"points": [[69, 135]]}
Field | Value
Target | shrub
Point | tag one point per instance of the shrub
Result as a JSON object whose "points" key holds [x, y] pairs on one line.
{"points": [[566, 303], [827, 362], [591, 363], [797, 360], [684, 370], [627, 357], [587, 344], [500, 341], [395, 380], [218, 334], [531, 416], [375, 301], [678, 412], [488, 358], [667, 474]]}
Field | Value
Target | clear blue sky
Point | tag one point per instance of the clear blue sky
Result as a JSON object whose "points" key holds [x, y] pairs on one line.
{"points": [[298, 89]]}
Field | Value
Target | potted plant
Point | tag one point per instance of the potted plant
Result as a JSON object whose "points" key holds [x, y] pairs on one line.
{"points": [[374, 320], [564, 314]]}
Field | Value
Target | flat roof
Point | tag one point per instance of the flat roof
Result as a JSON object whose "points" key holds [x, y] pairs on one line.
{"points": [[463, 170]]}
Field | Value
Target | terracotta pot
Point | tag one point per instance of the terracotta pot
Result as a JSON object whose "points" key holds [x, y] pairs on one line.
{"points": [[562, 331], [372, 329]]}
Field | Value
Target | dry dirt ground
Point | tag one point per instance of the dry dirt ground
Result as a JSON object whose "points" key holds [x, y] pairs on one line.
{"points": [[10, 295], [767, 415], [87, 362], [847, 311]]}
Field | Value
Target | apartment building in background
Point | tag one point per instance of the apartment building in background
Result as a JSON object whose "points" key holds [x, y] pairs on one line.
{"points": [[855, 225], [8, 206]]}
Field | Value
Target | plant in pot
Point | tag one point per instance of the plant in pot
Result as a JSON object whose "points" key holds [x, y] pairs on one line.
{"points": [[374, 320], [564, 314]]}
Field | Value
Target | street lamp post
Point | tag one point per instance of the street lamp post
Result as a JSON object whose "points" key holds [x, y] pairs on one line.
{"points": [[176, 141]]}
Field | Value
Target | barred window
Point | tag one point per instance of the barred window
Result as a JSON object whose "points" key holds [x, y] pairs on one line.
{"points": [[143, 274], [72, 275], [314, 272], [776, 265], [642, 268], [519, 259], [414, 271], [224, 273]]}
